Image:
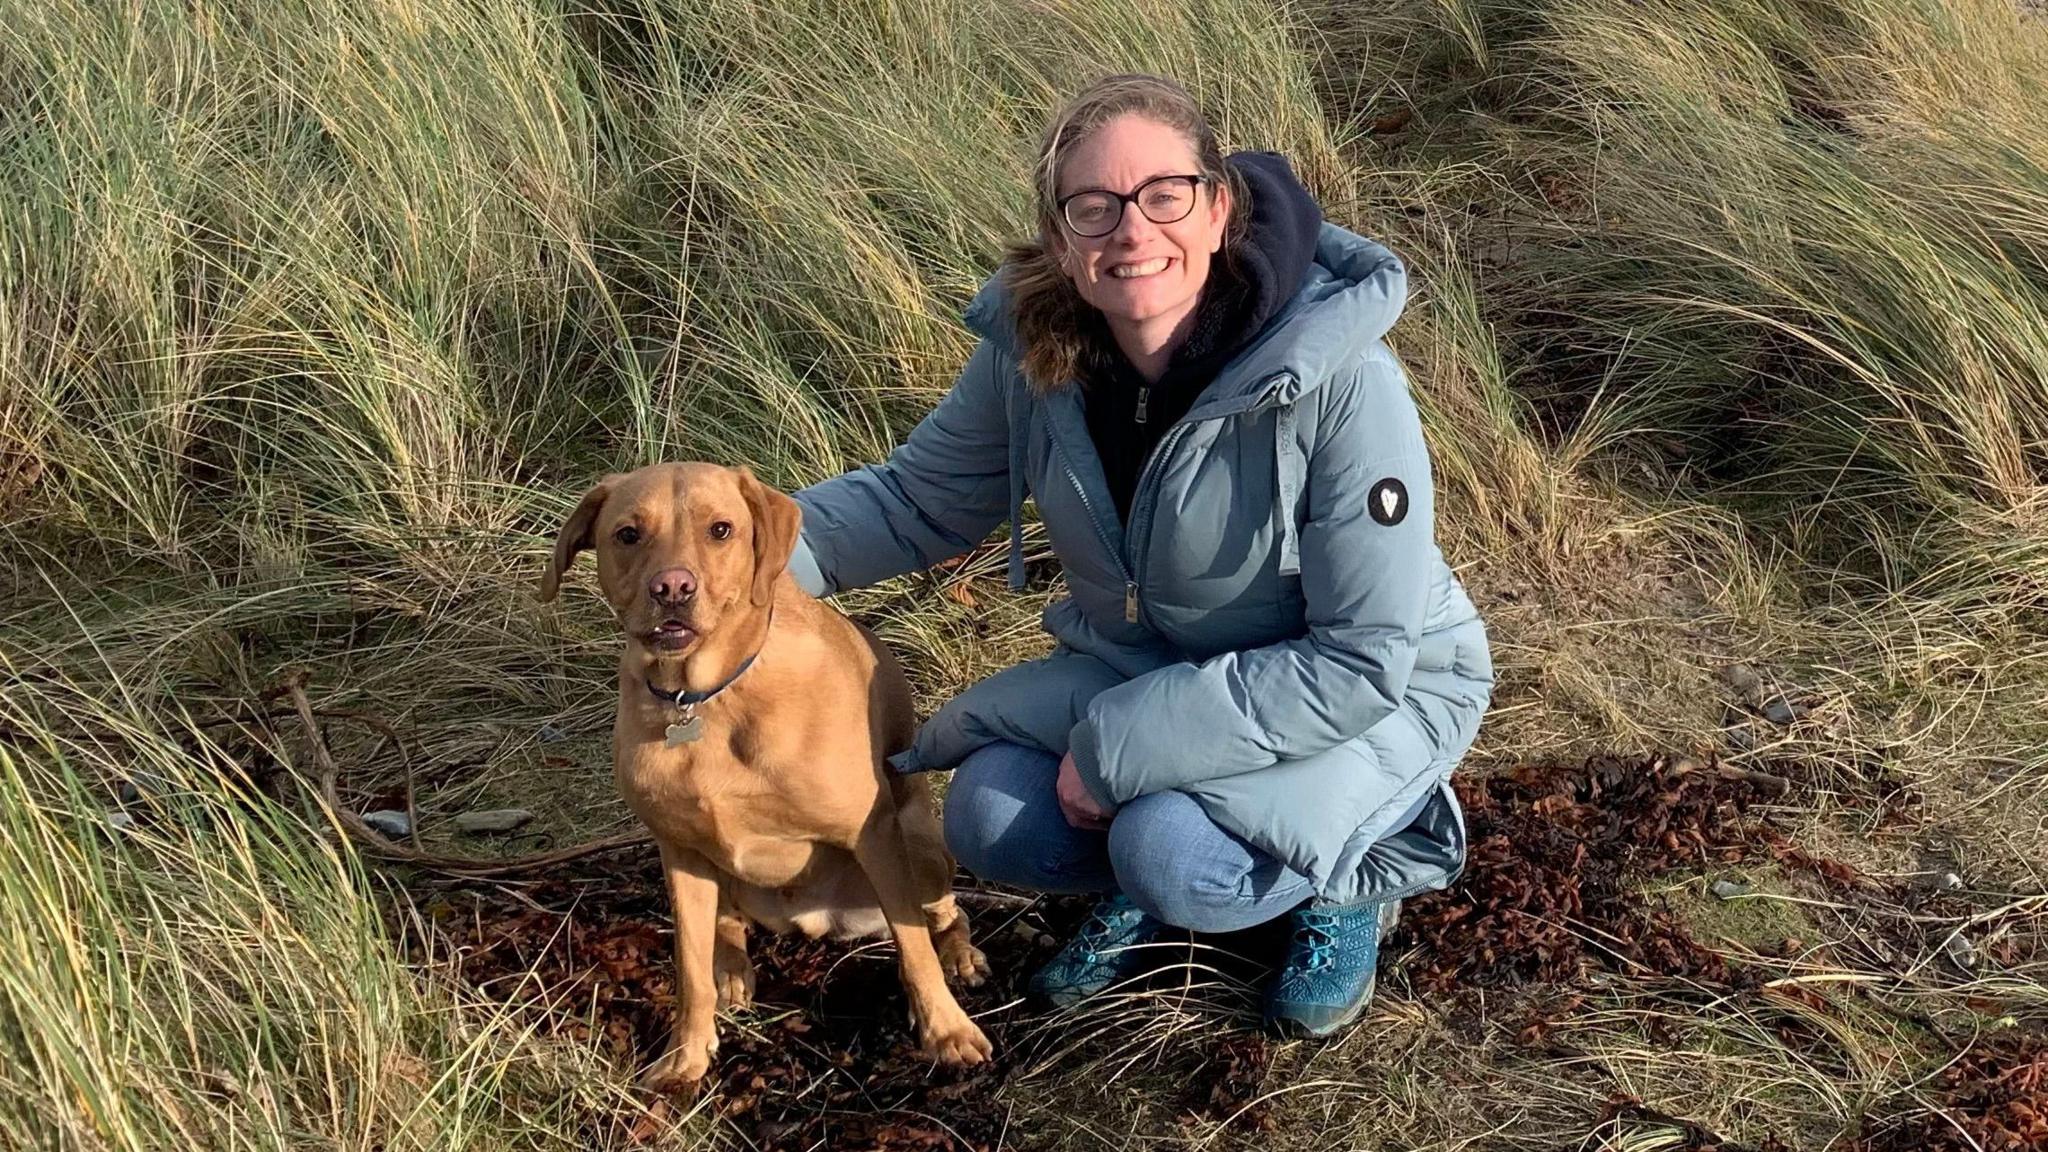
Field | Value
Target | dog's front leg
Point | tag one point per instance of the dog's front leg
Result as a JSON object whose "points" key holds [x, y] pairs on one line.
{"points": [[693, 894], [943, 1028]]}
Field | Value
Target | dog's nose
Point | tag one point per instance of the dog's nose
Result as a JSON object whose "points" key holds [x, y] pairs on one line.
{"points": [[673, 585]]}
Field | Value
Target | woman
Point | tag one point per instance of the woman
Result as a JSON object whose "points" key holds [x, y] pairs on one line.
{"points": [[1264, 672]]}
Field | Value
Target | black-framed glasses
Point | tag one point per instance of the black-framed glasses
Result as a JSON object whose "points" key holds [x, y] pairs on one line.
{"points": [[1163, 199]]}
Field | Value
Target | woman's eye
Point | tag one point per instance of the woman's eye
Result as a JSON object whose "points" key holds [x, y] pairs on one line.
{"points": [[628, 535], [721, 530], [1165, 196]]}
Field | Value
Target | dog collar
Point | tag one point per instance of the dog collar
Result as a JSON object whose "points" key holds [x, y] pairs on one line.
{"points": [[688, 700]]}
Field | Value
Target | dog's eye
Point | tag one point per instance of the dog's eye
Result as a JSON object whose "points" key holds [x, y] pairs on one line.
{"points": [[627, 535], [721, 530]]}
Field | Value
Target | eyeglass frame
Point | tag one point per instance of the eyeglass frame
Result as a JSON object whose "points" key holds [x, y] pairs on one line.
{"points": [[1123, 199]]}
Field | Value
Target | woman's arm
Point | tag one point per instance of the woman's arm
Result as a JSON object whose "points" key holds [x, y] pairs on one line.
{"points": [[1366, 583], [941, 492]]}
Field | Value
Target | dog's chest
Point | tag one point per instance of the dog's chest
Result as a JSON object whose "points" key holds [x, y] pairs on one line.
{"points": [[736, 818]]}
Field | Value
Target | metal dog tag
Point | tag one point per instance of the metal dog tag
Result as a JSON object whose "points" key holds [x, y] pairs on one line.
{"points": [[685, 731]]}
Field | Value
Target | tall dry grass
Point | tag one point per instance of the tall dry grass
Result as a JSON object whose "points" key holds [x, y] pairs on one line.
{"points": [[314, 319]]}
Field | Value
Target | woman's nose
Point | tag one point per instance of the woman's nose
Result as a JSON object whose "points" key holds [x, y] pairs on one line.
{"points": [[1133, 228]]}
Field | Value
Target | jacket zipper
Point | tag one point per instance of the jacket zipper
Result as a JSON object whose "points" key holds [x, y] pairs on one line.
{"points": [[1144, 394], [1095, 518], [1159, 452], [1126, 567]]}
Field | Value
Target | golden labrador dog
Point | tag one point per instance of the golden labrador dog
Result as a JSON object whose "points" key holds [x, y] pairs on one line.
{"points": [[753, 723]]}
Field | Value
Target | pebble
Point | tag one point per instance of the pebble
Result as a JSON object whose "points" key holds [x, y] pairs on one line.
{"points": [[549, 734], [1961, 951], [1729, 889], [389, 823], [141, 786], [1745, 681], [1741, 737], [1781, 710], [493, 820], [120, 821]]}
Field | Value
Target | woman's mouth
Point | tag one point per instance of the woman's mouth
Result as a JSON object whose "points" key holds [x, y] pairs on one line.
{"points": [[1139, 269]]}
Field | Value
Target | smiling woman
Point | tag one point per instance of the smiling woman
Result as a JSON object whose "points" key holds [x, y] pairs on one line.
{"points": [[1265, 670], [1144, 270]]}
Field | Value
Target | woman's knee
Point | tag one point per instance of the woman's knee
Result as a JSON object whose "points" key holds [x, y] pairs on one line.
{"points": [[1002, 823], [982, 803], [1180, 867]]}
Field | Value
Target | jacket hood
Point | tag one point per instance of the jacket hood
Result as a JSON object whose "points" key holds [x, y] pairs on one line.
{"points": [[1280, 235]]}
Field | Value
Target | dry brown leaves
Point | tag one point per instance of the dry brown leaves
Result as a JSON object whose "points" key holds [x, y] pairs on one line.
{"points": [[1547, 890], [1228, 1088], [1993, 1098], [826, 1059]]}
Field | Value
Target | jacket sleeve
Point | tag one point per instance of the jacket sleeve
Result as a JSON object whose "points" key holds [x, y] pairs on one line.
{"points": [[1367, 559], [941, 492]]}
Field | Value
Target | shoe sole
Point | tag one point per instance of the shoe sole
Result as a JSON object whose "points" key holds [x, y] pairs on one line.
{"points": [[1293, 1029]]}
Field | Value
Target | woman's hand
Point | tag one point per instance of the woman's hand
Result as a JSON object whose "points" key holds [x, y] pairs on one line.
{"points": [[1076, 804]]}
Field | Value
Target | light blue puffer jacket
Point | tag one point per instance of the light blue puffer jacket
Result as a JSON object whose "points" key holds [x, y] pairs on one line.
{"points": [[1275, 633]]}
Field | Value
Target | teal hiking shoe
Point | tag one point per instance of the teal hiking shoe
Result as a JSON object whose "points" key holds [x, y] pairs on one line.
{"points": [[1331, 965], [1108, 949]]}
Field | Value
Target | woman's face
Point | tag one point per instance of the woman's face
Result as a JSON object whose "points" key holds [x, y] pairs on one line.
{"points": [[1141, 275]]}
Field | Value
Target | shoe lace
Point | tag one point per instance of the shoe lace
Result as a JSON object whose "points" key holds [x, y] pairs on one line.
{"points": [[1315, 940], [1105, 924]]}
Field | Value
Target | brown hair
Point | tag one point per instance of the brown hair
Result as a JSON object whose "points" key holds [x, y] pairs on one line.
{"points": [[1049, 310]]}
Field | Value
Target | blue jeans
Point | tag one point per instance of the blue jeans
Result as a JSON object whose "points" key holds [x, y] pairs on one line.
{"points": [[1003, 823]]}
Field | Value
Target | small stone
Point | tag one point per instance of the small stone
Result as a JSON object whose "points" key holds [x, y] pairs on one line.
{"points": [[1782, 710], [1729, 889], [1949, 882], [120, 821], [1741, 737], [493, 820], [140, 787], [1961, 951], [1744, 680], [388, 823], [549, 734]]}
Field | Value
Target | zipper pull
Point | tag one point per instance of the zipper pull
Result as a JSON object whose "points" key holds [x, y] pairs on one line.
{"points": [[1144, 394], [1130, 602]]}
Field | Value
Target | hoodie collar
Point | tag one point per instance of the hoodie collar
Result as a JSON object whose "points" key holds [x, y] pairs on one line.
{"points": [[1280, 237]]}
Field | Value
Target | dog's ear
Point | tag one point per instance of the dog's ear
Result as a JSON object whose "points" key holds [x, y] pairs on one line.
{"points": [[574, 537], [776, 521]]}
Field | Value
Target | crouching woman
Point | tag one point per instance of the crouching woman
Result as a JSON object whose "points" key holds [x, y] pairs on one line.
{"points": [[1264, 672]]}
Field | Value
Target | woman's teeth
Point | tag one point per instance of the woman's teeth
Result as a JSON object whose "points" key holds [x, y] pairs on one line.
{"points": [[1144, 268]]}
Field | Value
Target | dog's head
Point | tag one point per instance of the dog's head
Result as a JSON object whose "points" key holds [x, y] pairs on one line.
{"points": [[682, 549]]}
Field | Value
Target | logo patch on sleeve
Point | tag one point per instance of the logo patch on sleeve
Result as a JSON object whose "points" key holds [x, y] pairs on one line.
{"points": [[1388, 502]]}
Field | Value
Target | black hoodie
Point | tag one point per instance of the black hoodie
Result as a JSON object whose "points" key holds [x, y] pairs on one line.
{"points": [[1245, 289]]}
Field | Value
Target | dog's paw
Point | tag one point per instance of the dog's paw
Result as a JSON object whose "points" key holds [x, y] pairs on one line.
{"points": [[963, 962], [735, 986], [951, 1038], [682, 1068]]}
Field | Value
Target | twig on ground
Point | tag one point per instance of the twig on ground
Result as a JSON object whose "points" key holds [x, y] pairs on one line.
{"points": [[993, 899]]}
